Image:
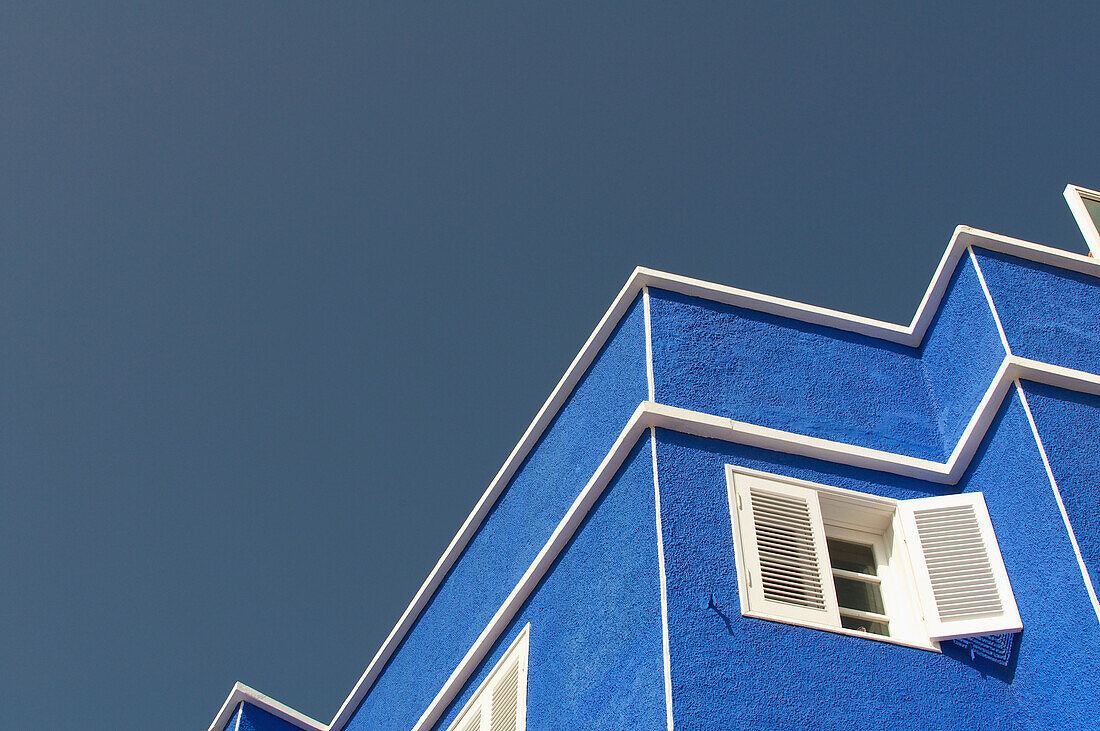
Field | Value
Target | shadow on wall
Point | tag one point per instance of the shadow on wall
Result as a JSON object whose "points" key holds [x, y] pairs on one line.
{"points": [[993, 657]]}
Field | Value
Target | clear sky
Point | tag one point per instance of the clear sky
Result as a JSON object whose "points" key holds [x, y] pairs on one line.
{"points": [[282, 284]]}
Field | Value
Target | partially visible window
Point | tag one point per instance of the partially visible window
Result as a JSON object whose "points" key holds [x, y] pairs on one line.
{"points": [[1085, 205], [911, 572], [1093, 207], [500, 702]]}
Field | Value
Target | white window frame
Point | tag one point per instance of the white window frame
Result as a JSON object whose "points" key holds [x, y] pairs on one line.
{"points": [[1075, 196], [877, 542], [481, 701], [872, 520]]}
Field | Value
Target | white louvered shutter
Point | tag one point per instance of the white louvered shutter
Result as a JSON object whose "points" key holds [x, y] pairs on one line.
{"points": [[504, 707], [785, 561], [961, 578]]}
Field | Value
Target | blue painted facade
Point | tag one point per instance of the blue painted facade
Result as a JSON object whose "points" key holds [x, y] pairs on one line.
{"points": [[735, 672], [601, 616]]}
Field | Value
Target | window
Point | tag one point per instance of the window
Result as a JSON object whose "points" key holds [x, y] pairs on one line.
{"points": [[1085, 205], [858, 583], [500, 702], [911, 572]]}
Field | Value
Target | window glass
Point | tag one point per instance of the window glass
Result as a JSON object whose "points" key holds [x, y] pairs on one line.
{"points": [[852, 557], [853, 594], [1093, 207]]}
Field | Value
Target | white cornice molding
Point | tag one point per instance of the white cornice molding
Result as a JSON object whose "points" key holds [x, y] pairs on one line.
{"points": [[242, 692], [912, 335]]}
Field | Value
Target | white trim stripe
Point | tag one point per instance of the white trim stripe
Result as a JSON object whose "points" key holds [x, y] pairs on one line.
{"points": [[666, 653], [1061, 505], [989, 301], [1013, 368], [912, 335], [648, 347]]}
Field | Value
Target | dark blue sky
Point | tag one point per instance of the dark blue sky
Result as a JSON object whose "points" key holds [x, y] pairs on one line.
{"points": [[283, 284]]}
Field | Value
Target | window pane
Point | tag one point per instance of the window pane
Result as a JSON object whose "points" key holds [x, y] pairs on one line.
{"points": [[863, 625], [1093, 207], [852, 557], [852, 594]]}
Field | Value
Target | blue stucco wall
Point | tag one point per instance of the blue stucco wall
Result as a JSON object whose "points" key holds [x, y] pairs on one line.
{"points": [[257, 719], [1069, 425], [776, 372], [512, 534], [735, 672], [821, 382], [961, 353], [596, 659], [1048, 314]]}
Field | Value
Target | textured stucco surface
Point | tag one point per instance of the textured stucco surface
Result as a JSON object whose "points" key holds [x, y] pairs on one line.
{"points": [[1049, 314], [961, 353], [735, 672], [822, 382], [784, 374], [595, 644], [516, 528], [257, 719], [1069, 425]]}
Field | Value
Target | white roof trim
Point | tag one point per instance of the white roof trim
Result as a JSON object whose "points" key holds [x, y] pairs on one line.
{"points": [[242, 692], [912, 335]]}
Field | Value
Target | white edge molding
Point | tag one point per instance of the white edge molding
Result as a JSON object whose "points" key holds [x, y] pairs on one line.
{"points": [[242, 693], [651, 414]]}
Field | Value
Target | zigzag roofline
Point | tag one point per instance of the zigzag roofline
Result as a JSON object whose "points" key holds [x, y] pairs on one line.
{"points": [[912, 335]]}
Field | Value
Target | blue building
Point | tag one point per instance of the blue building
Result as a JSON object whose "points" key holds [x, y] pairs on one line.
{"points": [[737, 511]]}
